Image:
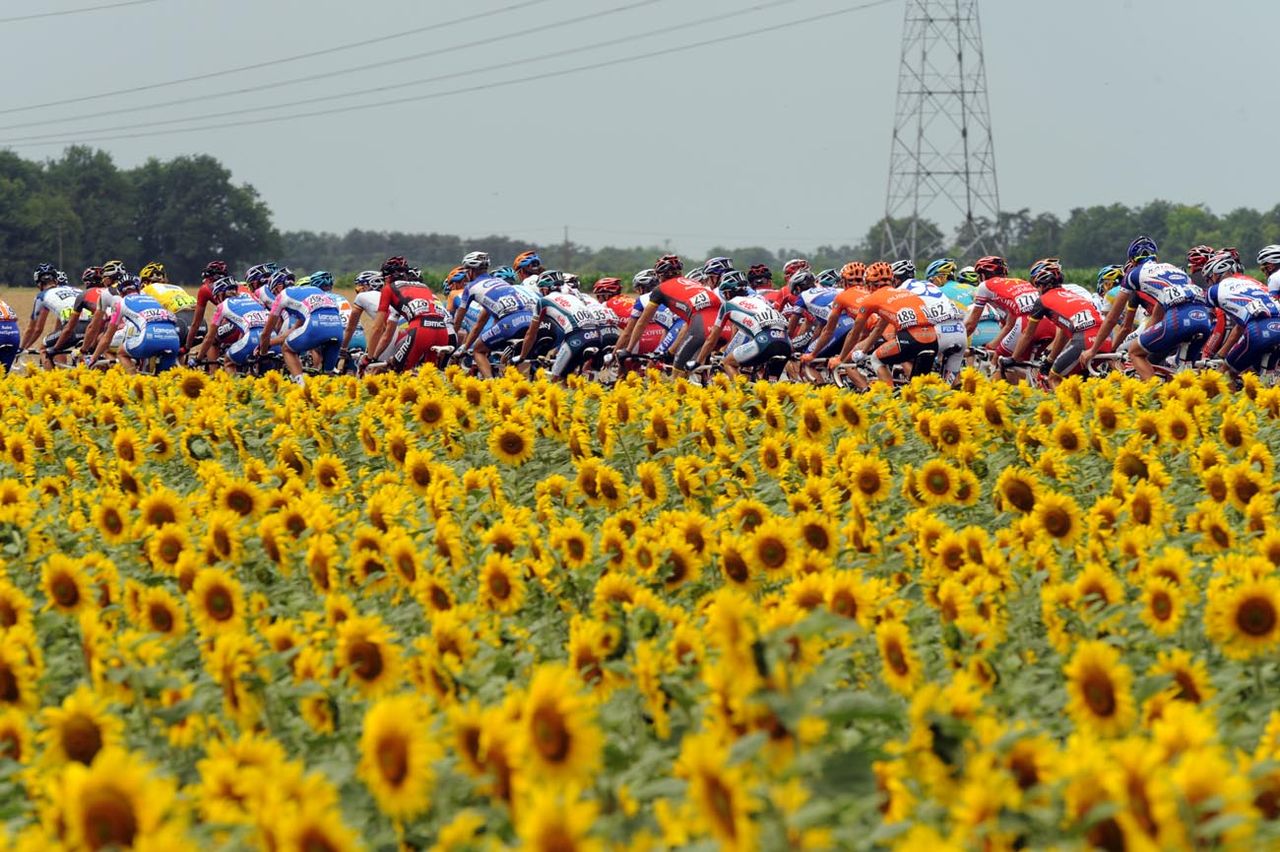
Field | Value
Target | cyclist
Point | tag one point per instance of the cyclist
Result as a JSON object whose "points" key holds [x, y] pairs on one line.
{"points": [[693, 303], [1071, 309], [656, 336], [759, 331], [426, 319], [760, 280], [791, 267], [258, 279], [307, 319], [10, 336], [214, 270], [509, 305], [853, 274], [1254, 314], [608, 292], [714, 268], [576, 324], [149, 330], [814, 304], [947, 319], [236, 328], [368, 287], [55, 299], [1011, 299], [1197, 257], [1180, 316], [172, 298], [1269, 260], [892, 322]]}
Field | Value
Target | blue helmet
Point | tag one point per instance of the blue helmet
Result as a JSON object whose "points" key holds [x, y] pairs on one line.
{"points": [[224, 288], [322, 279], [829, 278], [717, 266], [129, 284], [281, 278], [1143, 248], [506, 273], [942, 266]]}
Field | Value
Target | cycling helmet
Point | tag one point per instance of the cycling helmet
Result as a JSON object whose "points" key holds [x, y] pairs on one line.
{"points": [[153, 271], [1046, 273], [114, 269], [215, 269], [572, 280], [281, 278], [733, 283], [828, 278], [1222, 264], [697, 275], [395, 268], [477, 260], [718, 265], [370, 279], [258, 275], [304, 281], [1269, 256], [1108, 277], [456, 277], [129, 284], [1234, 252], [668, 266], [414, 274], [606, 288], [322, 279], [1143, 248], [990, 266], [63, 280], [879, 274], [527, 261], [45, 274], [506, 273], [801, 280], [967, 275], [944, 266], [224, 288], [1197, 257], [551, 279], [904, 269], [759, 274], [793, 266], [644, 280], [92, 277], [853, 274]]}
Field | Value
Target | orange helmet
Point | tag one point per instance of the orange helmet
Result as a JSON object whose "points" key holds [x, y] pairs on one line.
{"points": [[527, 262], [456, 278], [853, 273], [879, 273]]}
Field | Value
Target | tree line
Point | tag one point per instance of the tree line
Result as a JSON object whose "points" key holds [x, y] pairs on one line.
{"points": [[81, 209]]}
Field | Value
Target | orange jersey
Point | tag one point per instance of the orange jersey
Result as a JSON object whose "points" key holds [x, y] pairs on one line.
{"points": [[848, 301], [900, 309]]}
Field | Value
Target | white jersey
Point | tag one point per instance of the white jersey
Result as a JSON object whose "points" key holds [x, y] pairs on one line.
{"points": [[938, 308], [1099, 302], [59, 301], [1273, 283]]}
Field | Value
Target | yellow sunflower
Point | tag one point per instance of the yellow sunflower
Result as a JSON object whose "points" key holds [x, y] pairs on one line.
{"points": [[365, 651], [511, 444], [78, 729], [118, 802], [558, 728], [217, 602], [900, 667], [1245, 620], [1100, 698], [65, 584], [396, 756]]}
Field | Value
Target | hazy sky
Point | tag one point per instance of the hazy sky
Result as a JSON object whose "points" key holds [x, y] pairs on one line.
{"points": [[780, 139]]}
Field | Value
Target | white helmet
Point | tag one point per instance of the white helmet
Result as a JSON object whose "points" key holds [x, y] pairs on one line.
{"points": [[1222, 263], [644, 280], [571, 281], [1269, 254], [476, 260]]}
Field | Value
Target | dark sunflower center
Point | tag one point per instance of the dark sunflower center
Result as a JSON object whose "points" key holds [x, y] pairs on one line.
{"points": [[366, 660], [393, 759], [109, 819], [1256, 617], [550, 736], [1099, 694], [81, 739]]}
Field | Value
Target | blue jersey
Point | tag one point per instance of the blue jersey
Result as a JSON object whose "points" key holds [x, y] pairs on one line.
{"points": [[1243, 300], [1162, 283], [304, 304], [503, 300]]}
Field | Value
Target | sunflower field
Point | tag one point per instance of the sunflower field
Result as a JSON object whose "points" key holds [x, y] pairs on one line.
{"points": [[430, 612]]}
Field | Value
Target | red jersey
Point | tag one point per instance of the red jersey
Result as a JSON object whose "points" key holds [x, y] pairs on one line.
{"points": [[901, 309], [686, 299], [621, 306], [412, 301], [1009, 296], [1067, 309]]}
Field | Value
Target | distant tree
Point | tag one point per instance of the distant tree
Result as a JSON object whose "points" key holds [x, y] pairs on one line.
{"points": [[102, 198], [1093, 236]]}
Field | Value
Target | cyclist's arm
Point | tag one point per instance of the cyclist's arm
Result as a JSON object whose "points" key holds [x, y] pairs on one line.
{"points": [[710, 343], [104, 339], [353, 322], [35, 329], [1118, 307], [877, 332], [476, 329], [264, 340], [531, 335], [828, 330], [197, 319], [638, 325], [378, 337], [1232, 338]]}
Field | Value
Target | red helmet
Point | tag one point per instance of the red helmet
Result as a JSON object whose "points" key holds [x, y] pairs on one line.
{"points": [[215, 269], [395, 268], [793, 266], [92, 276], [759, 274], [607, 288], [1198, 256], [990, 267], [668, 266]]}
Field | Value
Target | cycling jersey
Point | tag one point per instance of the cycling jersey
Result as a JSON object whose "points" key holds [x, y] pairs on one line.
{"points": [[414, 303], [1243, 299], [939, 308], [238, 323], [620, 306], [61, 302], [503, 300], [564, 313], [1162, 283], [1007, 296], [1069, 310], [10, 337], [472, 289], [687, 299], [312, 316], [149, 329], [751, 315], [901, 310], [1273, 284], [172, 298]]}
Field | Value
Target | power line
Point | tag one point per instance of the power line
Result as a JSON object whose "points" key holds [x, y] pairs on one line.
{"points": [[472, 89], [100, 8], [597, 45], [258, 65], [325, 75]]}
